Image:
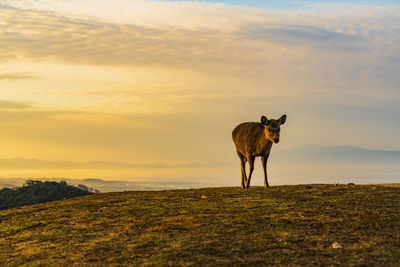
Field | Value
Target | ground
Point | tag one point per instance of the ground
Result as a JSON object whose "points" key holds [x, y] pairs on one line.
{"points": [[284, 225]]}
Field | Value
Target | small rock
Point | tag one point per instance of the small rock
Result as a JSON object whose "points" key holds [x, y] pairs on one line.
{"points": [[204, 196], [351, 184], [336, 245]]}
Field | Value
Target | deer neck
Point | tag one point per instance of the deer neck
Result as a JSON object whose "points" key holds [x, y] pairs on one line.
{"points": [[264, 145]]}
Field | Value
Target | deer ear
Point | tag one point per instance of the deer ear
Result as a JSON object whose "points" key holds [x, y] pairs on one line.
{"points": [[282, 119], [264, 120]]}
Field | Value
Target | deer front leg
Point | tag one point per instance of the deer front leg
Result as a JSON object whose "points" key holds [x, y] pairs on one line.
{"points": [[264, 160], [243, 169], [251, 165]]}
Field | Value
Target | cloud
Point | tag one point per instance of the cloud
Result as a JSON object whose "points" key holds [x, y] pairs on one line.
{"points": [[188, 15], [18, 76], [300, 35], [87, 35], [22, 163], [259, 46], [49, 37], [23, 111], [4, 104]]}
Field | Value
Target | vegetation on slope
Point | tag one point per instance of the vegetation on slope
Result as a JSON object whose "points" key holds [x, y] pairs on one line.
{"points": [[34, 192], [289, 225]]}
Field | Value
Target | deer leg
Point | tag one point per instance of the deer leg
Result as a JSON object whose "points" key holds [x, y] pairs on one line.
{"points": [[264, 160], [251, 165], [243, 168]]}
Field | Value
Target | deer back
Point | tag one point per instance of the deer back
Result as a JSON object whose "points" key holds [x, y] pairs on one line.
{"points": [[249, 139]]}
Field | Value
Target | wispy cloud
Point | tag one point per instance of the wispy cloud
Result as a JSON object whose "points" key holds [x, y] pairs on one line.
{"points": [[18, 76], [91, 39], [4, 104], [22, 163], [49, 37], [317, 37], [264, 48]]}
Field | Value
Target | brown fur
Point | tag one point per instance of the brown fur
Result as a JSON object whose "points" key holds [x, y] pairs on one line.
{"points": [[255, 139], [250, 140]]}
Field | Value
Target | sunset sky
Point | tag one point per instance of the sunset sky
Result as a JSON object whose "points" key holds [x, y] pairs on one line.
{"points": [[147, 90]]}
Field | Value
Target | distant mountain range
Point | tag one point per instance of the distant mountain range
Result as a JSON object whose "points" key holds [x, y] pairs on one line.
{"points": [[293, 164], [338, 154]]}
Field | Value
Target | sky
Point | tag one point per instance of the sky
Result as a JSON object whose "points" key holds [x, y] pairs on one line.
{"points": [[151, 90], [297, 4]]}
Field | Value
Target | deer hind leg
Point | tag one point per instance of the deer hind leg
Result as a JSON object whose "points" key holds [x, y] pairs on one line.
{"points": [[243, 168], [251, 165], [264, 160]]}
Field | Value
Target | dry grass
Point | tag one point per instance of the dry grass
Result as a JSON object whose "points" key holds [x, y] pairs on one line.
{"points": [[286, 225]]}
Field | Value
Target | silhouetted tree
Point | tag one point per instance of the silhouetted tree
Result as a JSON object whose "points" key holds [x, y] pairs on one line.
{"points": [[34, 192]]}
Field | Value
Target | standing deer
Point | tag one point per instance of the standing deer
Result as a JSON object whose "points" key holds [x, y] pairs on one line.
{"points": [[254, 139]]}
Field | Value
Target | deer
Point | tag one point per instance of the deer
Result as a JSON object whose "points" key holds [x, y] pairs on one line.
{"points": [[255, 139]]}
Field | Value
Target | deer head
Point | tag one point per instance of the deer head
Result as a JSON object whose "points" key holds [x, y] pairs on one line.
{"points": [[272, 128]]}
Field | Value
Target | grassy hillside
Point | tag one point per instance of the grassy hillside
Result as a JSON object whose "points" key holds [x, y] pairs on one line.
{"points": [[281, 225]]}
